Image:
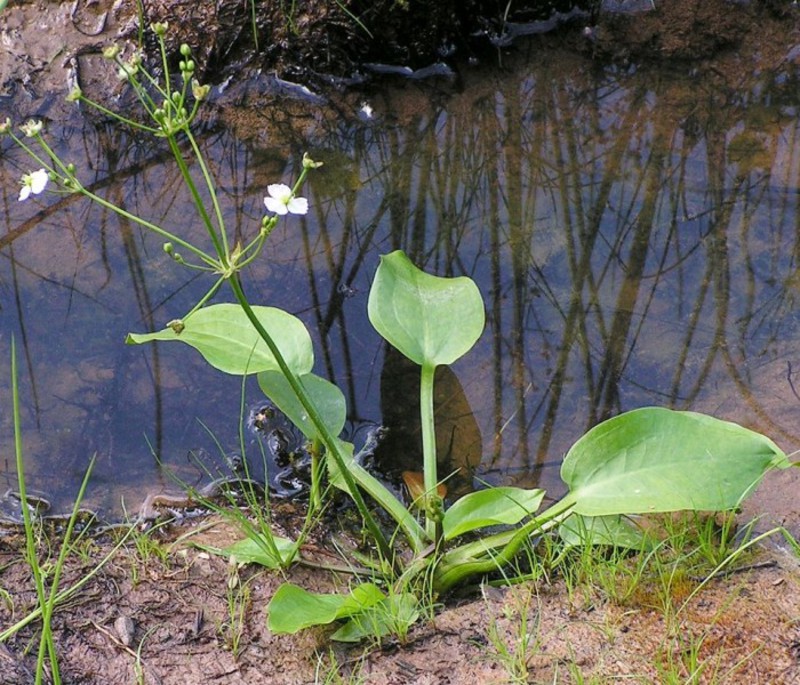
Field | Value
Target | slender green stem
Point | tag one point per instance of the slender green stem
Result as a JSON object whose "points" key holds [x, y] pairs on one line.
{"points": [[429, 463], [129, 122], [30, 152], [171, 237], [165, 66], [202, 301], [211, 189], [480, 557], [315, 498], [331, 443], [69, 174], [198, 201], [45, 643]]}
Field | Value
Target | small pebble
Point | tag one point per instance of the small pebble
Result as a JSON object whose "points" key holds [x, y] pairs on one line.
{"points": [[126, 629]]}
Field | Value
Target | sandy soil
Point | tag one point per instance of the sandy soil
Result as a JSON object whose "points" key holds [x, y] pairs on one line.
{"points": [[181, 629]]}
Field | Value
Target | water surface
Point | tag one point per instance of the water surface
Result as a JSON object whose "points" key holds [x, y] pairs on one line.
{"points": [[634, 233]]}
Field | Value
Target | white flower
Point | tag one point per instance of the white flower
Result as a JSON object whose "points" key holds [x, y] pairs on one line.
{"points": [[31, 128], [281, 200], [33, 183]]}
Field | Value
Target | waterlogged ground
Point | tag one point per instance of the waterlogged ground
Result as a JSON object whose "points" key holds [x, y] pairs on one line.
{"points": [[632, 228]]}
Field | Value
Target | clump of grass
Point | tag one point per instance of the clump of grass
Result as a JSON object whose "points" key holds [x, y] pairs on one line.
{"points": [[46, 571], [329, 670], [678, 554], [516, 637]]}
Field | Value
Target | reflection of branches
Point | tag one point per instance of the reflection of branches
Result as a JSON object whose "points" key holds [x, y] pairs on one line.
{"points": [[626, 257]]}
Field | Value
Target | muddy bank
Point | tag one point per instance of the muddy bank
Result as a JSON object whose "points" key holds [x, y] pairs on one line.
{"points": [[164, 612], [320, 43]]}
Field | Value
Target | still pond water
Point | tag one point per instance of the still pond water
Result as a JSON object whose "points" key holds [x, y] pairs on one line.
{"points": [[634, 232]]}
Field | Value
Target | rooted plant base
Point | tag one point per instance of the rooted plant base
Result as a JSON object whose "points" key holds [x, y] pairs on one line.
{"points": [[184, 630]]}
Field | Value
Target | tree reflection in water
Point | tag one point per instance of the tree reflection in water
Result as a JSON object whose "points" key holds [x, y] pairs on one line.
{"points": [[634, 234]]}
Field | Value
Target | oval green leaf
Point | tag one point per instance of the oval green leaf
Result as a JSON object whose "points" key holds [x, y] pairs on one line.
{"points": [[226, 338], [292, 608], [327, 398], [490, 507], [656, 460], [431, 320], [251, 551]]}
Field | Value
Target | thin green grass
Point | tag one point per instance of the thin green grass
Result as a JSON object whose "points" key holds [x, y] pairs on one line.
{"points": [[46, 571]]}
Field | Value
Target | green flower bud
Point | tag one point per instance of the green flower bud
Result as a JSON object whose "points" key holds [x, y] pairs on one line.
{"points": [[177, 326], [160, 28], [309, 163], [111, 52], [200, 92], [75, 94], [168, 248], [185, 50]]}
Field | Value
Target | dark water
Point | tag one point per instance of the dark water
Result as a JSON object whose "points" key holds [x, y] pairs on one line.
{"points": [[634, 233]]}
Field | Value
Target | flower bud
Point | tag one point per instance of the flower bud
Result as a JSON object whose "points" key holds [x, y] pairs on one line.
{"points": [[168, 248], [185, 50], [5, 127], [309, 163], [75, 94], [160, 28], [200, 92], [31, 128], [177, 326], [111, 52]]}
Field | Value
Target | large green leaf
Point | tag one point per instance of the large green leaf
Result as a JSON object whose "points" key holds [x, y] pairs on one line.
{"points": [[327, 398], [226, 338], [490, 507], [292, 608], [431, 320], [655, 460]]}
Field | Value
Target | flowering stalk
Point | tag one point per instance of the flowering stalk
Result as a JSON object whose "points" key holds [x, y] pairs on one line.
{"points": [[171, 119]]}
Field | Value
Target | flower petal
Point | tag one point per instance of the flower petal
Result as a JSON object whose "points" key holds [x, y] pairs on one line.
{"points": [[38, 181], [275, 205], [24, 193], [280, 191], [297, 205]]}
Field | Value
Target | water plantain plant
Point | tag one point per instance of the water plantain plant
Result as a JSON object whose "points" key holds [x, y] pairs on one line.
{"points": [[644, 461]]}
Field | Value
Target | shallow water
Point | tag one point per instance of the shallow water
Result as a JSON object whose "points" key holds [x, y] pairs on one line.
{"points": [[634, 233]]}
